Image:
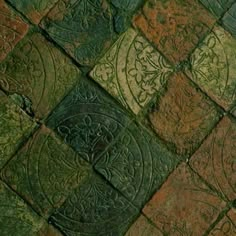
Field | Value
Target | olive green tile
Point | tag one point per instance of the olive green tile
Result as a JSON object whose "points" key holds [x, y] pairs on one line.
{"points": [[94, 208], [33, 9], [38, 72], [229, 20], [132, 71], [15, 127], [84, 28], [217, 7], [137, 164], [124, 9], [88, 120], [45, 171], [16, 218], [213, 67]]}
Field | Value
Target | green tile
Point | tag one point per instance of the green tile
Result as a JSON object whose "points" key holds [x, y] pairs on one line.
{"points": [[39, 72], [15, 127], [95, 208], [137, 164], [16, 218], [45, 171], [33, 9], [132, 71], [88, 120], [217, 7], [213, 67], [83, 28], [229, 20]]}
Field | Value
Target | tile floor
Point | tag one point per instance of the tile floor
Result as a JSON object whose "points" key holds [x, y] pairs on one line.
{"points": [[117, 117]]}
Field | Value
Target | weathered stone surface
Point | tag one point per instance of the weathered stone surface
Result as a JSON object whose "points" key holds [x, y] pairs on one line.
{"points": [[227, 226], [213, 67], [215, 159], [94, 208], [132, 71], [142, 227], [12, 29], [174, 26], [184, 204], [88, 120], [45, 171], [218, 7], [33, 9], [48, 230], [183, 116], [137, 164], [16, 218], [83, 28], [38, 71], [15, 127], [229, 20]]}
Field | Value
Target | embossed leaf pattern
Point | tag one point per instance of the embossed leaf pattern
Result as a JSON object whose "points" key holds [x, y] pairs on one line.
{"points": [[133, 61]]}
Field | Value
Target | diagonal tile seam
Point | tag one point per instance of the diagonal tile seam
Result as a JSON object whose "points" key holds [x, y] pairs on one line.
{"points": [[219, 218]]}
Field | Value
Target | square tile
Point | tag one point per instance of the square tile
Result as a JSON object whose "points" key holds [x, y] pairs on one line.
{"points": [[45, 171], [132, 71], [12, 29], [16, 218], [94, 208], [137, 164], [83, 28], [33, 9], [174, 26], [183, 116], [15, 127], [88, 120], [143, 227], [226, 226], [217, 8], [184, 204], [215, 160], [213, 67], [37, 71], [229, 20]]}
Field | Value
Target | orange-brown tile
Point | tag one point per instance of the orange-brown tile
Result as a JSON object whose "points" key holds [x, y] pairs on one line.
{"points": [[184, 205], [143, 227], [175, 26], [183, 116], [215, 159], [12, 29]]}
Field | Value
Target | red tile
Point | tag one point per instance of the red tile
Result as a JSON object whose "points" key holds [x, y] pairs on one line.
{"points": [[174, 26], [184, 204]]}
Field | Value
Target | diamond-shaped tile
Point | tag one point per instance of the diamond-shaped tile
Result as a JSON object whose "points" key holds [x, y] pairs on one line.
{"points": [[33, 9], [88, 120], [94, 208], [16, 218], [15, 127], [215, 159], [83, 28], [39, 72], [143, 227], [213, 67], [184, 204], [137, 164], [183, 116], [174, 26], [12, 29], [229, 20], [45, 171], [217, 7], [132, 71]]}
